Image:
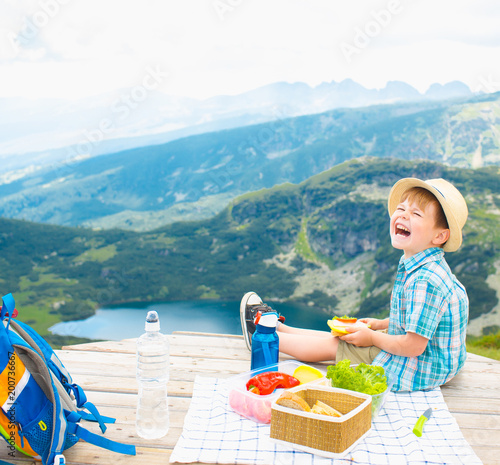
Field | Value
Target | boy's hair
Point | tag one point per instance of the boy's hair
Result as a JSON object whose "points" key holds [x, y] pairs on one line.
{"points": [[422, 197]]}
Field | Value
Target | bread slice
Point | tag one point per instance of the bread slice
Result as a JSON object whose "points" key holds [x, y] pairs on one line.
{"points": [[324, 409], [292, 400]]}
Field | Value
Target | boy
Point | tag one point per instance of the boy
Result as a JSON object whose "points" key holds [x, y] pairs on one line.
{"points": [[422, 343]]}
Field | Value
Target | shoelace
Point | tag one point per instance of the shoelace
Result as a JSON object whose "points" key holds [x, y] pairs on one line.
{"points": [[264, 308]]}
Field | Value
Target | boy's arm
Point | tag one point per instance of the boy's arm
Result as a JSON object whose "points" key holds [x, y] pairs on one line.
{"points": [[406, 345]]}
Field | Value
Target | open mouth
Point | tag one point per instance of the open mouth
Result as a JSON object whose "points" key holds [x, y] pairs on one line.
{"points": [[402, 231]]}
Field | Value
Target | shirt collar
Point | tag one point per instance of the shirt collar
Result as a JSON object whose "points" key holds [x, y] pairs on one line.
{"points": [[433, 254]]}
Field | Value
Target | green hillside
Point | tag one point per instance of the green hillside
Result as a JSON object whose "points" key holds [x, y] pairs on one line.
{"points": [[196, 177], [323, 242]]}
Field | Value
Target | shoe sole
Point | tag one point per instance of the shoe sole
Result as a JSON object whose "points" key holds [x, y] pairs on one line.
{"points": [[243, 306]]}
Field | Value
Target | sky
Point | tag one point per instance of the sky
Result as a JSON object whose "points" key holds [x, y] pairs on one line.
{"points": [[73, 49]]}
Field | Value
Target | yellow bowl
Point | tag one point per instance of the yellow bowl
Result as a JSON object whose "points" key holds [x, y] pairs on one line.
{"points": [[306, 374], [338, 327]]}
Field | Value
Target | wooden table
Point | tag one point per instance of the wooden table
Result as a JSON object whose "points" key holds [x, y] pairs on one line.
{"points": [[106, 370]]}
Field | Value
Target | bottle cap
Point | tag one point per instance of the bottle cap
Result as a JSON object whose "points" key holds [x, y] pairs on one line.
{"points": [[269, 319], [152, 321]]}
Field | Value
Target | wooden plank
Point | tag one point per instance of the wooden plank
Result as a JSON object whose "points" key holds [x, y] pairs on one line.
{"points": [[480, 358], [221, 352], [126, 433], [118, 364], [124, 385], [484, 442], [125, 346], [474, 394], [129, 400], [178, 348], [88, 454], [481, 383], [464, 404], [81, 374], [214, 335], [480, 422], [177, 341], [125, 415], [481, 367], [487, 455]]}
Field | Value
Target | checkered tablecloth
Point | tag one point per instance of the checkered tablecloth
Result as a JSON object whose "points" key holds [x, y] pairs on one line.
{"points": [[213, 433]]}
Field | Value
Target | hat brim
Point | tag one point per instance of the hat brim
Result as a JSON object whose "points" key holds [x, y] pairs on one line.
{"points": [[455, 240]]}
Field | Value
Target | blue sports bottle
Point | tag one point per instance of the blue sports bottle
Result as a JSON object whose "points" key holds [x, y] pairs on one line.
{"points": [[265, 341]]}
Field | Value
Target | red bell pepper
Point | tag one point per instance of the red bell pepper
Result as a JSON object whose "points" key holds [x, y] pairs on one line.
{"points": [[265, 383], [345, 319]]}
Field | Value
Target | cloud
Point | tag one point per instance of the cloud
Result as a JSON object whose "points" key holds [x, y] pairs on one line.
{"points": [[82, 47]]}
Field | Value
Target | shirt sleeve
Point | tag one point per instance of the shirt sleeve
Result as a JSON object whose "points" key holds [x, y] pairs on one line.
{"points": [[425, 305]]}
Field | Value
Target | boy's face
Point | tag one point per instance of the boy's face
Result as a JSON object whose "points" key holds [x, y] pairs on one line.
{"points": [[413, 229]]}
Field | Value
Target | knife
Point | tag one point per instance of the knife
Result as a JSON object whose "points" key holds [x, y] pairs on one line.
{"points": [[419, 425]]}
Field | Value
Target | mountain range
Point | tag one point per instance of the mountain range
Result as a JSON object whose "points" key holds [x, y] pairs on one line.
{"points": [[195, 177], [202, 203], [36, 133], [322, 243]]}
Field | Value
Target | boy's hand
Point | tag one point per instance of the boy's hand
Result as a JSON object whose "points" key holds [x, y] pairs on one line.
{"points": [[359, 336], [375, 323]]}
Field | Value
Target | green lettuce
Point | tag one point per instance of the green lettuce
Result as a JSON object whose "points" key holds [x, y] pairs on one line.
{"points": [[369, 379]]}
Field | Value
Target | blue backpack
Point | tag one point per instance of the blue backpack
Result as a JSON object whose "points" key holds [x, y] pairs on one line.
{"points": [[41, 407]]}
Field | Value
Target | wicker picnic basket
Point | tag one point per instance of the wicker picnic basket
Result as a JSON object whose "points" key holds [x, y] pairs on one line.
{"points": [[326, 435]]}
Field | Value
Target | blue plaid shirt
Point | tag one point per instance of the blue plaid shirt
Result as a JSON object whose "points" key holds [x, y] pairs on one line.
{"points": [[428, 300]]}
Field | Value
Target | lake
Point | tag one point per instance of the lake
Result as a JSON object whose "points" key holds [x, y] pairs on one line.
{"points": [[127, 321]]}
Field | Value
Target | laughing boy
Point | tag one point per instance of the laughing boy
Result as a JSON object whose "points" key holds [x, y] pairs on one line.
{"points": [[422, 343]]}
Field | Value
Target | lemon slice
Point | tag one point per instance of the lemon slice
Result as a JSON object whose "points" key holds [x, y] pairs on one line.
{"points": [[305, 374]]}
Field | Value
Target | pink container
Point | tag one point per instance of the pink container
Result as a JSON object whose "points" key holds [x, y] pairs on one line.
{"points": [[253, 406]]}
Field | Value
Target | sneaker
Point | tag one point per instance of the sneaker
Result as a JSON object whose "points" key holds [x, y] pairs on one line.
{"points": [[249, 306], [248, 310]]}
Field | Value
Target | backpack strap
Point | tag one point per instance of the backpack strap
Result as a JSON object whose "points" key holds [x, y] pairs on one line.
{"points": [[97, 440], [58, 426], [8, 308], [94, 415], [82, 402], [44, 379], [46, 352]]}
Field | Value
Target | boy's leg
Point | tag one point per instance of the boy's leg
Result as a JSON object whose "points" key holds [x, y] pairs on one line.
{"points": [[307, 332], [309, 347], [356, 354]]}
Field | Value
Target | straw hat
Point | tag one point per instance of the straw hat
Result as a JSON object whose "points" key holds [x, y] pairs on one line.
{"points": [[452, 201]]}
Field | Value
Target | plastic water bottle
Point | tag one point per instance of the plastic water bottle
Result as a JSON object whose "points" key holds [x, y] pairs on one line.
{"points": [[152, 420], [265, 341]]}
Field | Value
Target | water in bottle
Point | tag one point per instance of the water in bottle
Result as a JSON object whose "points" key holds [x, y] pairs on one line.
{"points": [[152, 420], [265, 341]]}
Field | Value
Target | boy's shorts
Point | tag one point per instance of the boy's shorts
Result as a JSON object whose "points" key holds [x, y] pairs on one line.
{"points": [[356, 354]]}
